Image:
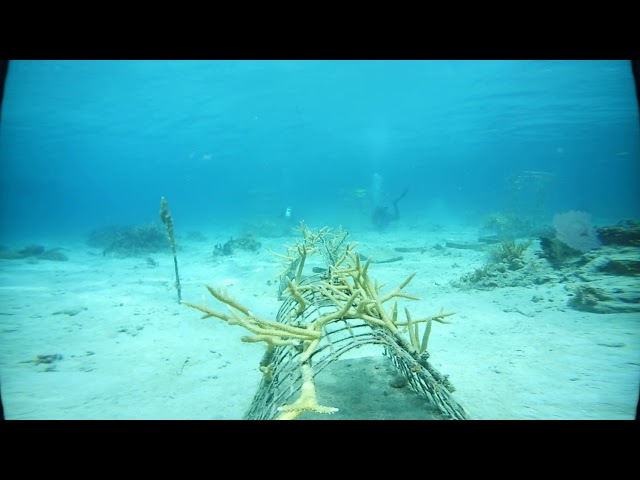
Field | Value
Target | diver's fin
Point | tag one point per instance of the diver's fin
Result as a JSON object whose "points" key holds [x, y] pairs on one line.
{"points": [[395, 203]]}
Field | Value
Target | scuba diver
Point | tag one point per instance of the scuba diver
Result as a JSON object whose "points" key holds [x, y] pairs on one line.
{"points": [[382, 217], [287, 221]]}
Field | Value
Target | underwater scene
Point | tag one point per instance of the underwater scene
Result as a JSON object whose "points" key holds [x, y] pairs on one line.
{"points": [[319, 239]]}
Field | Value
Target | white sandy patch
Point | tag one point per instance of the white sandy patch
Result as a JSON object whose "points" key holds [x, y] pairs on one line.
{"points": [[131, 351]]}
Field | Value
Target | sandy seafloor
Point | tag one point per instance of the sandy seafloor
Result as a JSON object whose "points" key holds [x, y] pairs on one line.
{"points": [[130, 351]]}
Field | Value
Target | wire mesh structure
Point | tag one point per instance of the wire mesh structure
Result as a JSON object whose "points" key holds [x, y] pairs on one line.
{"points": [[284, 379], [322, 317]]}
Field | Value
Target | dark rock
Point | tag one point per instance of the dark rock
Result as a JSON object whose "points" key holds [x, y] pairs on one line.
{"points": [[31, 250], [626, 233], [398, 381], [609, 295]]}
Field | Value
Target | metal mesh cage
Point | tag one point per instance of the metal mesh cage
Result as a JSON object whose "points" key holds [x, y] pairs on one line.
{"points": [[284, 380], [325, 315]]}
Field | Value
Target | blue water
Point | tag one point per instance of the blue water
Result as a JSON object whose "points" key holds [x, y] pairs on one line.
{"points": [[84, 144]]}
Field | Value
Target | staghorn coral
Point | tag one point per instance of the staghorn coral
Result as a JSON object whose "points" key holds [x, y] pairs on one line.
{"points": [[322, 317]]}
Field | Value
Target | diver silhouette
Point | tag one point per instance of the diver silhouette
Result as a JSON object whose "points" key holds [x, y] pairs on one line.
{"points": [[382, 217]]}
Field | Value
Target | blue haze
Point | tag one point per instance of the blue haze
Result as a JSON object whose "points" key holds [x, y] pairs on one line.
{"points": [[86, 144]]}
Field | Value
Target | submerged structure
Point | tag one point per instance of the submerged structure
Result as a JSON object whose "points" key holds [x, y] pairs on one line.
{"points": [[335, 309]]}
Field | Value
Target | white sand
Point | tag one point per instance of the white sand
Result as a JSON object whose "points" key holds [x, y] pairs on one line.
{"points": [[130, 351]]}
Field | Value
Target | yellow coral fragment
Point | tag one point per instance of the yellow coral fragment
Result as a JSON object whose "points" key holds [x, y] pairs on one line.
{"points": [[308, 400]]}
